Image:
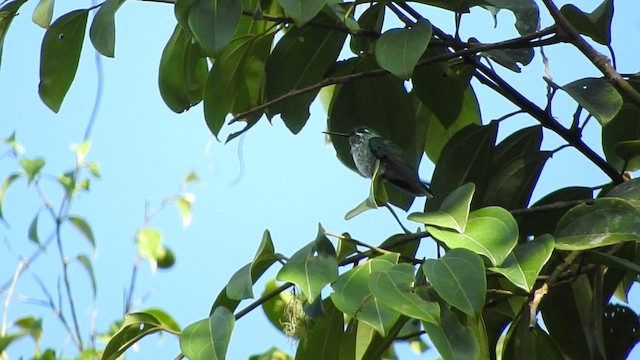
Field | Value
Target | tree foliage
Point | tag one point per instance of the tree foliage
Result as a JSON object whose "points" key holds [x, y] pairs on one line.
{"points": [[505, 261]]}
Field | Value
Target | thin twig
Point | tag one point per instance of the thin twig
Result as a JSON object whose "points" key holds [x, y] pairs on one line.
{"points": [[7, 300], [551, 207], [263, 299]]}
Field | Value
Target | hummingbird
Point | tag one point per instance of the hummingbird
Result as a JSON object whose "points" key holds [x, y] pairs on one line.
{"points": [[367, 146]]}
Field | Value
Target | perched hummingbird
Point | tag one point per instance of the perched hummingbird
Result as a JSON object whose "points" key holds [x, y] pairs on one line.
{"points": [[367, 147]]}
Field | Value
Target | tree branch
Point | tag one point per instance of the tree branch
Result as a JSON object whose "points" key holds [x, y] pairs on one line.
{"points": [[600, 61]]}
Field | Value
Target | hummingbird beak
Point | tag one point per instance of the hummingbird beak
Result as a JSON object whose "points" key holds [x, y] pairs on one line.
{"points": [[336, 133]]}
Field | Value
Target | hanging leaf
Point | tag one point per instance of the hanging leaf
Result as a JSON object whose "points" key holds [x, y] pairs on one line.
{"points": [[81, 225], [86, 263], [3, 190], [103, 28], [596, 25], [398, 50], [7, 13]]}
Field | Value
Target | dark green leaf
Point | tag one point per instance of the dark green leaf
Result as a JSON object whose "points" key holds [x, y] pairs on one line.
{"points": [[459, 6], [301, 11], [352, 294], [458, 277], [136, 326], [59, 57], [612, 261], [7, 13], [183, 71], [624, 127], [312, 272], [597, 96], [212, 22], [510, 58], [33, 230], [31, 168], [526, 13], [398, 50], [393, 287], [235, 82], [628, 150], [628, 190], [607, 221], [84, 228], [466, 158], [86, 263], [43, 13], [453, 212], [452, 339], [323, 340], [103, 28], [522, 342], [208, 339], [523, 265], [370, 20], [596, 25], [300, 59], [490, 231], [621, 329]]}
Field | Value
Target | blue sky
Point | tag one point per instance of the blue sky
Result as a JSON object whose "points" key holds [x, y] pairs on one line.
{"points": [[289, 185]]}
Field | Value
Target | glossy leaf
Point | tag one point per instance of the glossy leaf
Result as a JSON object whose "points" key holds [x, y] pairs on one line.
{"points": [[301, 58], [353, 297], [86, 263], [597, 96], [183, 71], [312, 267], [596, 25], [103, 28], [3, 190], [241, 283], [467, 157], [301, 11], [235, 82], [264, 258], [323, 338], [208, 338], [490, 231], [59, 57], [83, 227], [31, 168], [453, 212], [452, 339], [398, 50], [458, 277], [9, 11], [43, 13], [393, 288], [523, 265], [607, 221], [136, 326]]}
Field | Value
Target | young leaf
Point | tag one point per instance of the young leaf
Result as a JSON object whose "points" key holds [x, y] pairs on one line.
{"points": [[149, 243], [398, 50], [3, 190], [59, 57], [183, 204], [86, 263], [43, 13], [312, 272], [84, 228], [31, 168], [454, 210], [33, 230], [523, 265], [458, 277], [208, 338], [103, 28]]}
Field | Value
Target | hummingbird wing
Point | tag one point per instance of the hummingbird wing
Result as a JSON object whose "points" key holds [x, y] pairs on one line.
{"points": [[396, 167]]}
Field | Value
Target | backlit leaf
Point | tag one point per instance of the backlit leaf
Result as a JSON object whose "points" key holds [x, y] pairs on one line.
{"points": [[208, 338], [597, 96], [453, 212], [103, 28], [398, 50], [523, 265]]}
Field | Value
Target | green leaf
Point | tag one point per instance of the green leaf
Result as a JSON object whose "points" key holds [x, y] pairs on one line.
{"points": [[81, 225], [596, 25], [103, 28], [452, 339], [136, 326], [377, 196], [31, 168], [440, 89], [523, 342], [208, 338], [3, 190], [509, 58], [240, 285], [236, 81], [393, 288], [278, 307], [628, 150], [628, 190], [301, 11], [607, 221], [467, 157], [184, 203], [7, 13], [353, 297], [453, 212], [149, 243], [612, 261], [526, 13], [490, 231], [523, 265], [33, 230], [300, 59], [86, 263], [272, 354], [43, 13], [620, 327], [81, 150], [312, 272], [398, 50], [597, 96], [183, 71], [624, 127], [321, 340], [458, 277], [59, 57], [370, 20], [212, 22], [32, 326]]}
